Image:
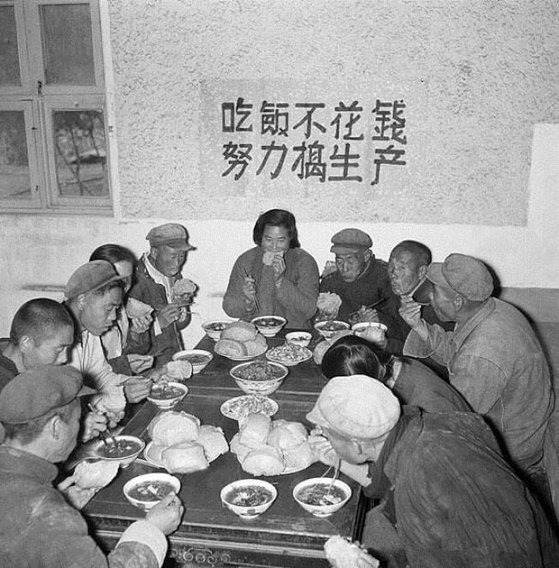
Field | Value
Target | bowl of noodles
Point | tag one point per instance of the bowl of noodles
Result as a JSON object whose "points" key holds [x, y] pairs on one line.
{"points": [[259, 377]]}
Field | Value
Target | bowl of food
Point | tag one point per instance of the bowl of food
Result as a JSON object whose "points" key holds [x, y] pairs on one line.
{"points": [[248, 498], [165, 395], [259, 377], [213, 328], [145, 491], [372, 330], [123, 449], [268, 326], [329, 327], [300, 338], [198, 358], [322, 496]]}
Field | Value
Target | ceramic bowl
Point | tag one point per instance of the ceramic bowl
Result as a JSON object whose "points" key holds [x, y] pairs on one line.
{"points": [[248, 498], [124, 450], [301, 338], [324, 503], [269, 326], [264, 386], [168, 396], [329, 327], [377, 330], [199, 358], [145, 491], [213, 328]]}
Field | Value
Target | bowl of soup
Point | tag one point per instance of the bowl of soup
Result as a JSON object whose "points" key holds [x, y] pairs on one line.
{"points": [[165, 395], [373, 331], [259, 377], [329, 327], [198, 358], [213, 328], [123, 449], [145, 491], [269, 326], [322, 496], [248, 498], [301, 338]]}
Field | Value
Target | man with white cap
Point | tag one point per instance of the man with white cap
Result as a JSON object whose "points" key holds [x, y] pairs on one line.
{"points": [[445, 488], [158, 274], [358, 278], [39, 417], [493, 356]]}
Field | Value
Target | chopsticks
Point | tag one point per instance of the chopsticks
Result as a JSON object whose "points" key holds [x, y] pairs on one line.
{"points": [[369, 307], [247, 275], [335, 476], [108, 440]]}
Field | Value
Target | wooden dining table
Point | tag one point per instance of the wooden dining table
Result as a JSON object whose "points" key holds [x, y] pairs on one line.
{"points": [[210, 535]]}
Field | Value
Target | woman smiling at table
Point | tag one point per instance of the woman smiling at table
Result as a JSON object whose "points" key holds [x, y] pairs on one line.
{"points": [[277, 277]]}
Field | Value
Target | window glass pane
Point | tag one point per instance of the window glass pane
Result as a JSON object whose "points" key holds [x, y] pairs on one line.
{"points": [[79, 140], [67, 44], [9, 58], [14, 163]]}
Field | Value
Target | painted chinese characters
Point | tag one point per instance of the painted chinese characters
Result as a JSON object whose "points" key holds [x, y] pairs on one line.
{"points": [[330, 144]]}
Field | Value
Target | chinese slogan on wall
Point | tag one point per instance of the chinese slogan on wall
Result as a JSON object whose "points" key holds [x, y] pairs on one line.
{"points": [[311, 141]]}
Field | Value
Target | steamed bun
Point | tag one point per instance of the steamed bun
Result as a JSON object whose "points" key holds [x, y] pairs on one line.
{"points": [[263, 461], [172, 427]]}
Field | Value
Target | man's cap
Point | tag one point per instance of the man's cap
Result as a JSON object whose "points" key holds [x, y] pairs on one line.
{"points": [[34, 393], [171, 234], [356, 407], [349, 241], [90, 276], [464, 274]]}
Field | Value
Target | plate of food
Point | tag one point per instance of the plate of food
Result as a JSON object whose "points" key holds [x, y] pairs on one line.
{"points": [[289, 354], [229, 355], [241, 406]]}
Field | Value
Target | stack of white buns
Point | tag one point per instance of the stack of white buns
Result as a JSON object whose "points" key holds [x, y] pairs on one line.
{"points": [[266, 447], [239, 339], [182, 445]]}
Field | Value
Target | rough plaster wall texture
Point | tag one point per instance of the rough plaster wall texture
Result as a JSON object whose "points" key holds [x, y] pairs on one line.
{"points": [[475, 76]]}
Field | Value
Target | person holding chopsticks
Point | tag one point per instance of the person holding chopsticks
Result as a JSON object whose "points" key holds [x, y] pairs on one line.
{"points": [[276, 277]]}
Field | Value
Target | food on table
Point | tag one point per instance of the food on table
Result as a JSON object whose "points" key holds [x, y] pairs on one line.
{"points": [[267, 321], [321, 494], [240, 339], [121, 448], [259, 371], [266, 447], [94, 475], [172, 427], [342, 553], [249, 496], [181, 445], [302, 338], [332, 325], [185, 457], [216, 326], [240, 407], [288, 353], [165, 392], [195, 358], [151, 490]]}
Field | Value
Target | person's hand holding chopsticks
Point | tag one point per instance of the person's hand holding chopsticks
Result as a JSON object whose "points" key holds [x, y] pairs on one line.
{"points": [[249, 292]]}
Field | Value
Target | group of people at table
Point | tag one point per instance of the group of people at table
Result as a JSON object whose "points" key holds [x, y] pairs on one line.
{"points": [[448, 420]]}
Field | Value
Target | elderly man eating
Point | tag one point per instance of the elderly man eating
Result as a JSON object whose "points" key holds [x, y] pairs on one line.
{"points": [[449, 499], [160, 284], [493, 356], [358, 278], [39, 415]]}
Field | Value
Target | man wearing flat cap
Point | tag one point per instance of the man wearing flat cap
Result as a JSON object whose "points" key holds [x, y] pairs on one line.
{"points": [[358, 278], [158, 277], [493, 356], [447, 496], [39, 416], [94, 297]]}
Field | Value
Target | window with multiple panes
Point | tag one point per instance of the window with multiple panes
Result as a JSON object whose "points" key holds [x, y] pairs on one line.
{"points": [[53, 128]]}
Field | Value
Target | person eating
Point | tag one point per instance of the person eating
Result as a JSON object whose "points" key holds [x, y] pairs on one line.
{"points": [[276, 277]]}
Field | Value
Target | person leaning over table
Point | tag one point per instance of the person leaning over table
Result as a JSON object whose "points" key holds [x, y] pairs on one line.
{"points": [[357, 277], [41, 333], [125, 343], [94, 296], [39, 414], [449, 499], [156, 273], [276, 277], [493, 357], [410, 380]]}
